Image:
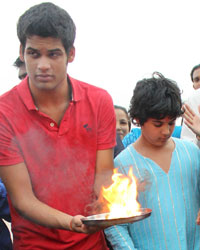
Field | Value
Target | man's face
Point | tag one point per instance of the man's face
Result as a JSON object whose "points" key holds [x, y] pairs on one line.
{"points": [[157, 132], [46, 62], [196, 79]]}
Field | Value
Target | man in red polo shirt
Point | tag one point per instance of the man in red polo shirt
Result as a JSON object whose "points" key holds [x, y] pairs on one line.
{"points": [[56, 139]]}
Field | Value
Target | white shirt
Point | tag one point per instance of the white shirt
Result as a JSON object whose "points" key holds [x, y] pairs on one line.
{"points": [[186, 133]]}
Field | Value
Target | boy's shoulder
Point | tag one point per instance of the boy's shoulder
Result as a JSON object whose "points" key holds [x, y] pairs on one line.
{"points": [[183, 143], [126, 154]]}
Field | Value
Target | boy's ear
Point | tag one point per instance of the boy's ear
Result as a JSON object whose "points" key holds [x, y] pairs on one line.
{"points": [[71, 54], [21, 53], [137, 122]]}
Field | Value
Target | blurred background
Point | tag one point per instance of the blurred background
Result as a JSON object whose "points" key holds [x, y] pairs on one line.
{"points": [[118, 42]]}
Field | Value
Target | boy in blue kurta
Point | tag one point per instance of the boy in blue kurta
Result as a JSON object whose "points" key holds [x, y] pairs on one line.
{"points": [[169, 167]]}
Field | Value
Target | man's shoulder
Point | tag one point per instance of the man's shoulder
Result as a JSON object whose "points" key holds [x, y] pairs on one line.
{"points": [[10, 103], [9, 96]]}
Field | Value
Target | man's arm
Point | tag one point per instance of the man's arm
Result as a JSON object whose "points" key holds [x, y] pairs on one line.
{"points": [[104, 169], [18, 184]]}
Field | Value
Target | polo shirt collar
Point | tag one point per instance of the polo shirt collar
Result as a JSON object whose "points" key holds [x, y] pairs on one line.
{"points": [[25, 93], [77, 93]]}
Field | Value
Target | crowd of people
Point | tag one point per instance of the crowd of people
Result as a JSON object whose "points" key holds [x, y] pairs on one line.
{"points": [[61, 138]]}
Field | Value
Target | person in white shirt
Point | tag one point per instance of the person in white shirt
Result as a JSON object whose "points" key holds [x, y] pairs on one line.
{"points": [[194, 102]]}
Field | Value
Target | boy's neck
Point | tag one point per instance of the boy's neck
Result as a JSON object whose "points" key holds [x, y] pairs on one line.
{"points": [[161, 155]]}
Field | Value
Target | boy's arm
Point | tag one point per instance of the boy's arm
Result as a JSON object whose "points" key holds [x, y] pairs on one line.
{"points": [[119, 237]]}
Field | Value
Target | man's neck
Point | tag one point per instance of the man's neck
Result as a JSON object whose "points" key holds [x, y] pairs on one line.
{"points": [[52, 102]]}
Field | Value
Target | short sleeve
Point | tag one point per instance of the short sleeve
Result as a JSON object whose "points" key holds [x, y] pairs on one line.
{"points": [[9, 149]]}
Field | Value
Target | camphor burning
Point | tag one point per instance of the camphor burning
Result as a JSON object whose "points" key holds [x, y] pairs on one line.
{"points": [[120, 198]]}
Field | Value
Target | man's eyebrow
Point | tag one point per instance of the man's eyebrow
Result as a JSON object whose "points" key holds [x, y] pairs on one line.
{"points": [[50, 50], [55, 50], [30, 48]]}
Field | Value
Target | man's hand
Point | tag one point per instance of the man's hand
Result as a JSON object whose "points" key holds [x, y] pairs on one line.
{"points": [[76, 225], [192, 120]]}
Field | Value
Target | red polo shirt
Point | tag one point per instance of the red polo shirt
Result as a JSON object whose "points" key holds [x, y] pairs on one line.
{"points": [[60, 160]]}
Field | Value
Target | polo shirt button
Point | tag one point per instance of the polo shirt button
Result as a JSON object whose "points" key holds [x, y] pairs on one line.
{"points": [[52, 124]]}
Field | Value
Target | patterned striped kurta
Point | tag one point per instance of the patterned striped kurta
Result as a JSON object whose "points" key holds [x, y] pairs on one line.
{"points": [[174, 198]]}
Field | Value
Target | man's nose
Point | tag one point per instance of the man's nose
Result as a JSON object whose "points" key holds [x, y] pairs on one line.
{"points": [[43, 64]]}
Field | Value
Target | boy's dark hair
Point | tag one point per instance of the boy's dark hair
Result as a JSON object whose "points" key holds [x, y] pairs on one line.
{"points": [[18, 63], [126, 112], [47, 20], [193, 69], [156, 97]]}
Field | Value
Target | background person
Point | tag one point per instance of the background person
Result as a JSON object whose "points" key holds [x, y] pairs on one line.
{"points": [[195, 76], [186, 133], [20, 65], [56, 139], [194, 102], [5, 239], [123, 124], [170, 167]]}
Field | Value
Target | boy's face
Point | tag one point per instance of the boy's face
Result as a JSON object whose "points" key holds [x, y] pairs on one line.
{"points": [[157, 132], [46, 62]]}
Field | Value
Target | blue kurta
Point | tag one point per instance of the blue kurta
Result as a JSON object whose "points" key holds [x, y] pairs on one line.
{"points": [[174, 198]]}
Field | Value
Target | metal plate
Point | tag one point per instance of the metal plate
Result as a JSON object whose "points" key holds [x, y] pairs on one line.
{"points": [[101, 221]]}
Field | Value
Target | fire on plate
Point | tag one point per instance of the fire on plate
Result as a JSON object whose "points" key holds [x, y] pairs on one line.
{"points": [[118, 203], [120, 198]]}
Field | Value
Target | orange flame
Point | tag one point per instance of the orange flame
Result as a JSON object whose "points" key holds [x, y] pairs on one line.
{"points": [[120, 197]]}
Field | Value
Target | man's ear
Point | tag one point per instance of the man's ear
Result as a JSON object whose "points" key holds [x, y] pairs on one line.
{"points": [[21, 53], [71, 54]]}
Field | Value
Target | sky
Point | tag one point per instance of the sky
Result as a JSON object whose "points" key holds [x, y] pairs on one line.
{"points": [[118, 42]]}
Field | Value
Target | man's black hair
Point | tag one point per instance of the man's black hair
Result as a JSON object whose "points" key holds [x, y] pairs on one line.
{"points": [[47, 20], [193, 69], [156, 97]]}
